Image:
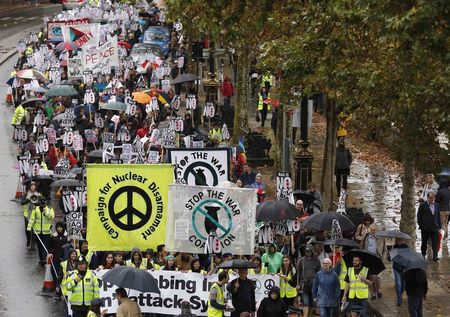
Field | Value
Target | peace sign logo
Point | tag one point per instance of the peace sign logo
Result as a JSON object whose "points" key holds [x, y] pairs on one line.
{"points": [[129, 218]]}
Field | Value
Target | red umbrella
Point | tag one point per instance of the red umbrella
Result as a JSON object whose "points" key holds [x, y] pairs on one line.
{"points": [[124, 44], [68, 46]]}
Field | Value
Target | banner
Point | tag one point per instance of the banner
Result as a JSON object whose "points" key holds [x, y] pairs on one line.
{"points": [[176, 287], [82, 34], [75, 67], [127, 205], [194, 212], [101, 59], [201, 167], [54, 28]]}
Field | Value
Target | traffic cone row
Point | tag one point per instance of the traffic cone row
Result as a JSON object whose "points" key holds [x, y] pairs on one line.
{"points": [[49, 283]]}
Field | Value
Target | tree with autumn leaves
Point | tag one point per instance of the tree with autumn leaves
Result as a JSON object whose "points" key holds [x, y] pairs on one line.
{"points": [[384, 61]]}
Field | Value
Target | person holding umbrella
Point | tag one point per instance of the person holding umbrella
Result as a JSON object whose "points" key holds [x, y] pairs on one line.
{"points": [[357, 285], [243, 294], [398, 271]]}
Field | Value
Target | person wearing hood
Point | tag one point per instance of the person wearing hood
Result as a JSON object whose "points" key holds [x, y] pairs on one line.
{"points": [[136, 259], [272, 305], [186, 310], [307, 267], [58, 240], [89, 255], [326, 289], [272, 259]]}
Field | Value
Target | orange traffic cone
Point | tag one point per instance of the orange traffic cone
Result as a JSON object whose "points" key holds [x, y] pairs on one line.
{"points": [[9, 96], [49, 283], [19, 191]]}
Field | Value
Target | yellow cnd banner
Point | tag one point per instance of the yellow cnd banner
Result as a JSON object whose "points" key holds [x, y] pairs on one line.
{"points": [[127, 205]]}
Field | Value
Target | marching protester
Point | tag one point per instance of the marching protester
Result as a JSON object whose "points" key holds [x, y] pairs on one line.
{"points": [[127, 307], [32, 196], [243, 294], [326, 289], [307, 268], [272, 305], [288, 281], [40, 225], [136, 259], [58, 243], [217, 301], [416, 286], [357, 285], [374, 245]]}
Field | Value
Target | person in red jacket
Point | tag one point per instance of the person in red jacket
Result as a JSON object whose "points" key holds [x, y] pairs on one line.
{"points": [[144, 131], [55, 154], [227, 91]]}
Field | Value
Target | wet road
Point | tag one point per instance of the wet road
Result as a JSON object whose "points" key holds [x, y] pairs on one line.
{"points": [[21, 277]]}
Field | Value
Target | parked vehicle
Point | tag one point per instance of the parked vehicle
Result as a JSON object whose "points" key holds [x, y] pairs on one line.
{"points": [[72, 4], [158, 35]]}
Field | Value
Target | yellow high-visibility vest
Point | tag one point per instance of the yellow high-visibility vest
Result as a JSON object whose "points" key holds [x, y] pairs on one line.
{"points": [[88, 256], [19, 113], [286, 289], [343, 273], [261, 102], [142, 266], [263, 271], [214, 312], [85, 290], [358, 288], [41, 222]]}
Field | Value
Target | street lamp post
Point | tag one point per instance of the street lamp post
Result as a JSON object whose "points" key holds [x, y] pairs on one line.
{"points": [[302, 155]]}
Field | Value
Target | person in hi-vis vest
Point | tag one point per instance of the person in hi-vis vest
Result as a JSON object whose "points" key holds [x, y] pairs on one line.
{"points": [[217, 303], [357, 285]]}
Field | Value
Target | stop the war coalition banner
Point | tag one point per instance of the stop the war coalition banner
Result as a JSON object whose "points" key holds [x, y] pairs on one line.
{"points": [[203, 167], [176, 287], [127, 205], [194, 212]]}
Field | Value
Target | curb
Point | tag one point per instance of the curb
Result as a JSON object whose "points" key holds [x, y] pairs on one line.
{"points": [[7, 56]]}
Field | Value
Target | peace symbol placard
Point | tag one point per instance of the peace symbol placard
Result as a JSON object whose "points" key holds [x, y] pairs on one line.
{"points": [[127, 205]]}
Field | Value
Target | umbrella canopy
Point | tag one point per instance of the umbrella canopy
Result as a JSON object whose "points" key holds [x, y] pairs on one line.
{"points": [[237, 264], [370, 260], [62, 90], [393, 234], [408, 258], [118, 106], [132, 278], [141, 97], [184, 78], [30, 74], [32, 102], [38, 89], [276, 210], [68, 183], [305, 196], [342, 242], [124, 44], [70, 82], [68, 46], [95, 153], [323, 221]]}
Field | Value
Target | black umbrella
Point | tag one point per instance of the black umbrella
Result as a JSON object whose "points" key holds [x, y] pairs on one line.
{"points": [[132, 278], [408, 258], [342, 242], [68, 183], [70, 82], [95, 153], [370, 260], [184, 78], [393, 234], [305, 196], [237, 264], [276, 210], [32, 102], [324, 220]]}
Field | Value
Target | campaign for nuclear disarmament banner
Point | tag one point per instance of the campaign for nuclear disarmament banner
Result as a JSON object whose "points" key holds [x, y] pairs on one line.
{"points": [[197, 166], [196, 211], [127, 205], [176, 287]]}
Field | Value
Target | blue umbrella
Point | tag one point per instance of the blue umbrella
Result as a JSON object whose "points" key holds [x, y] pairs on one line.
{"points": [[10, 81]]}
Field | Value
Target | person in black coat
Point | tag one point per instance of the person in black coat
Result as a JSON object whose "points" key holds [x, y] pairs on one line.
{"points": [[343, 161], [242, 294], [272, 305], [416, 286], [58, 242], [429, 222]]}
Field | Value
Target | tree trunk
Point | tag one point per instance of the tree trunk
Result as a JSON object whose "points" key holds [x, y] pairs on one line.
{"points": [[327, 181], [242, 92], [407, 209]]}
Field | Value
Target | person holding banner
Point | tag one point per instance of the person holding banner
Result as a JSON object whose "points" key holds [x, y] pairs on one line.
{"points": [[260, 269], [89, 255], [196, 267], [288, 281], [108, 261], [40, 225], [66, 268], [84, 288], [136, 259], [217, 302], [170, 264]]}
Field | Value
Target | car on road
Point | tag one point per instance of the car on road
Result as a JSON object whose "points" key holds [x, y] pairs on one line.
{"points": [[72, 4], [158, 35]]}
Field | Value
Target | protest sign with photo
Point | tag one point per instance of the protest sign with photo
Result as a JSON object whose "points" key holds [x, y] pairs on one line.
{"points": [[176, 287], [194, 212], [127, 205], [205, 167], [75, 67]]}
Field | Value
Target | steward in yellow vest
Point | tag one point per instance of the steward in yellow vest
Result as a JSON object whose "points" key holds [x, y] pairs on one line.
{"points": [[288, 289], [18, 116], [216, 301], [357, 285], [136, 259], [84, 287], [67, 267], [41, 219]]}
